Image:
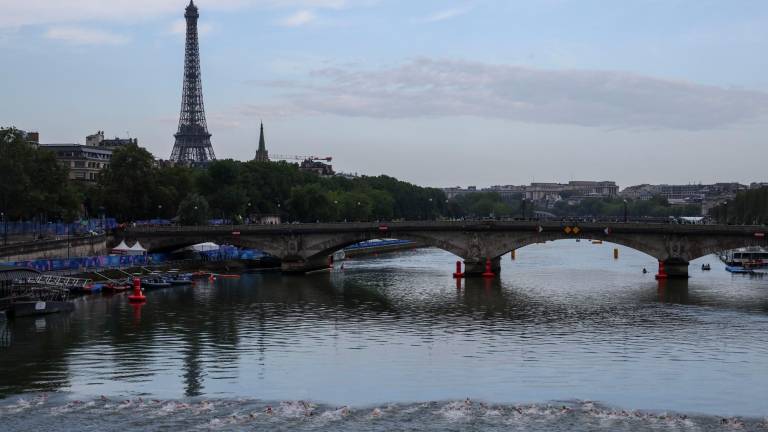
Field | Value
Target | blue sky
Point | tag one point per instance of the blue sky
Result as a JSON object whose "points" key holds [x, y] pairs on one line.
{"points": [[437, 92]]}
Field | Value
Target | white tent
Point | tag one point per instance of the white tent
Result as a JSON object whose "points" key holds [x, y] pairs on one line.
{"points": [[121, 249], [136, 249], [204, 247]]}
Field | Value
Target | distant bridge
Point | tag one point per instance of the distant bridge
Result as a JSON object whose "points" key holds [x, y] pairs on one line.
{"points": [[306, 247]]}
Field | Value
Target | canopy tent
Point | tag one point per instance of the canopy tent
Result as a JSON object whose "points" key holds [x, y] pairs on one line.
{"points": [[121, 249], [137, 249]]}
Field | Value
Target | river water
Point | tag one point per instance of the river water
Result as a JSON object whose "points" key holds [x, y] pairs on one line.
{"points": [[566, 339]]}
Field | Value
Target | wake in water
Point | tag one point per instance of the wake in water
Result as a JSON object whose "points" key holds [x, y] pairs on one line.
{"points": [[39, 412]]}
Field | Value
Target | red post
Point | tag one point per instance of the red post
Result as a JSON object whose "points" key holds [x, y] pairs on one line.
{"points": [[137, 296], [488, 272], [458, 274], [662, 272]]}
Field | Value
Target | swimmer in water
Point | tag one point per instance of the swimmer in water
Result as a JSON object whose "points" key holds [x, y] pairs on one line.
{"points": [[376, 412], [268, 410], [644, 270]]}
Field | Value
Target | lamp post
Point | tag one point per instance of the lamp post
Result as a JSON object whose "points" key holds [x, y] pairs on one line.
{"points": [[196, 216], [159, 212], [625, 211], [522, 207], [5, 228]]}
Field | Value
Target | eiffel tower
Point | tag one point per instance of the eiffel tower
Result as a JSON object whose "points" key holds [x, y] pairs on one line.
{"points": [[193, 142]]}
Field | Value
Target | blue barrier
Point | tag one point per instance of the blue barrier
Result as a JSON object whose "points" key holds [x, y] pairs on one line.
{"points": [[59, 228], [112, 261]]}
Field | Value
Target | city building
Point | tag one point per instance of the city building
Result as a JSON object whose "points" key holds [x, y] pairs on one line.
{"points": [[84, 162], [317, 167], [261, 154], [457, 191], [98, 140], [544, 193]]}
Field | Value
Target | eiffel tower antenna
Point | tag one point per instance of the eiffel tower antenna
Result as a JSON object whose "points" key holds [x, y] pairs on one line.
{"points": [[193, 142]]}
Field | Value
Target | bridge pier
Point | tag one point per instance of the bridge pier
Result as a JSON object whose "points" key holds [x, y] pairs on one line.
{"points": [[676, 268], [476, 267]]}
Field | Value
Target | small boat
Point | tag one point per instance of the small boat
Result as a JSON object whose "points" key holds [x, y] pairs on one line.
{"points": [[228, 276], [116, 287], [737, 269], [200, 275], [706, 267], [92, 288], [180, 281], [597, 242], [155, 283]]}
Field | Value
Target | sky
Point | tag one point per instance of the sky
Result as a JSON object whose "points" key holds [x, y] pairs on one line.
{"points": [[436, 92]]}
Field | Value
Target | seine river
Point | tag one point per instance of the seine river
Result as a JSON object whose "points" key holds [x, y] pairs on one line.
{"points": [[566, 339]]}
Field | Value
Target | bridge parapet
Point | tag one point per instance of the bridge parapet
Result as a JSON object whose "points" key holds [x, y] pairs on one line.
{"points": [[474, 241]]}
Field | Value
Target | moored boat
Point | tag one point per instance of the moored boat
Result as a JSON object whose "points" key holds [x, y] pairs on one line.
{"points": [[155, 283]]}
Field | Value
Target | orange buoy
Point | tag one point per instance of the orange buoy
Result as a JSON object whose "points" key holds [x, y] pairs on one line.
{"points": [[458, 274], [137, 296], [488, 272], [662, 272]]}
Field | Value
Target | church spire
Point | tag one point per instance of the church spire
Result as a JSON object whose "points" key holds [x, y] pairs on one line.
{"points": [[261, 154]]}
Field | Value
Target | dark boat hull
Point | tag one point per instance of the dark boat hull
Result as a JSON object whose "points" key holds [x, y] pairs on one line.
{"points": [[31, 308]]}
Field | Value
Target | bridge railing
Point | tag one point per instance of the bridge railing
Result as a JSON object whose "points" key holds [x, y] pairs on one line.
{"points": [[387, 226]]}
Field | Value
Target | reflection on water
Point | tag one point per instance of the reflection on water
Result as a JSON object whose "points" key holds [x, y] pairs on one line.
{"points": [[564, 322]]}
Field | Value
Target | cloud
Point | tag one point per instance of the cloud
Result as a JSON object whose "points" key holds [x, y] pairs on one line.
{"points": [[85, 36], [298, 19], [442, 88], [447, 14], [18, 13]]}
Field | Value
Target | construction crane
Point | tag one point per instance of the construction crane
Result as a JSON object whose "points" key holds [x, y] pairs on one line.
{"points": [[301, 158]]}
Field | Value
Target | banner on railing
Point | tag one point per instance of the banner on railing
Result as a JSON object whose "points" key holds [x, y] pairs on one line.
{"points": [[57, 229]]}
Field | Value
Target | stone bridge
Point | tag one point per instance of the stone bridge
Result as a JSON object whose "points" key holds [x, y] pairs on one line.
{"points": [[305, 247]]}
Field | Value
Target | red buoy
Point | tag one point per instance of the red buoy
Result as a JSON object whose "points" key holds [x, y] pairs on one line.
{"points": [[137, 296], [662, 272], [458, 274], [488, 272]]}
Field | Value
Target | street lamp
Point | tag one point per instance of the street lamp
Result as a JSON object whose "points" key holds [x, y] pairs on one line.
{"points": [[159, 212], [625, 211], [5, 228]]}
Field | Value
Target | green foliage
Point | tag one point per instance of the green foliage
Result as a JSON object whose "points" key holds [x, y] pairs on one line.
{"points": [[749, 207], [129, 187], [193, 210], [657, 206], [484, 204], [32, 183]]}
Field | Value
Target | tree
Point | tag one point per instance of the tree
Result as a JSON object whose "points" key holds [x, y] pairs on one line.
{"points": [[127, 186], [32, 182], [193, 210]]}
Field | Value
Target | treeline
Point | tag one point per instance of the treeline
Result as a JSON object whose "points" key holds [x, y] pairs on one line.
{"points": [[135, 187], [33, 186], [657, 206], [749, 207]]}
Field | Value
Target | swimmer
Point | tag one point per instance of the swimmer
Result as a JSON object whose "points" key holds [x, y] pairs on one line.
{"points": [[268, 410], [376, 412]]}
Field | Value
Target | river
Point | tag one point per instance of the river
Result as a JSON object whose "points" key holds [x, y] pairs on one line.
{"points": [[566, 339]]}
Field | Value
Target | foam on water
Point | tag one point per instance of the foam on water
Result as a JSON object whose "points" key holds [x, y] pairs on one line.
{"points": [[41, 412]]}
